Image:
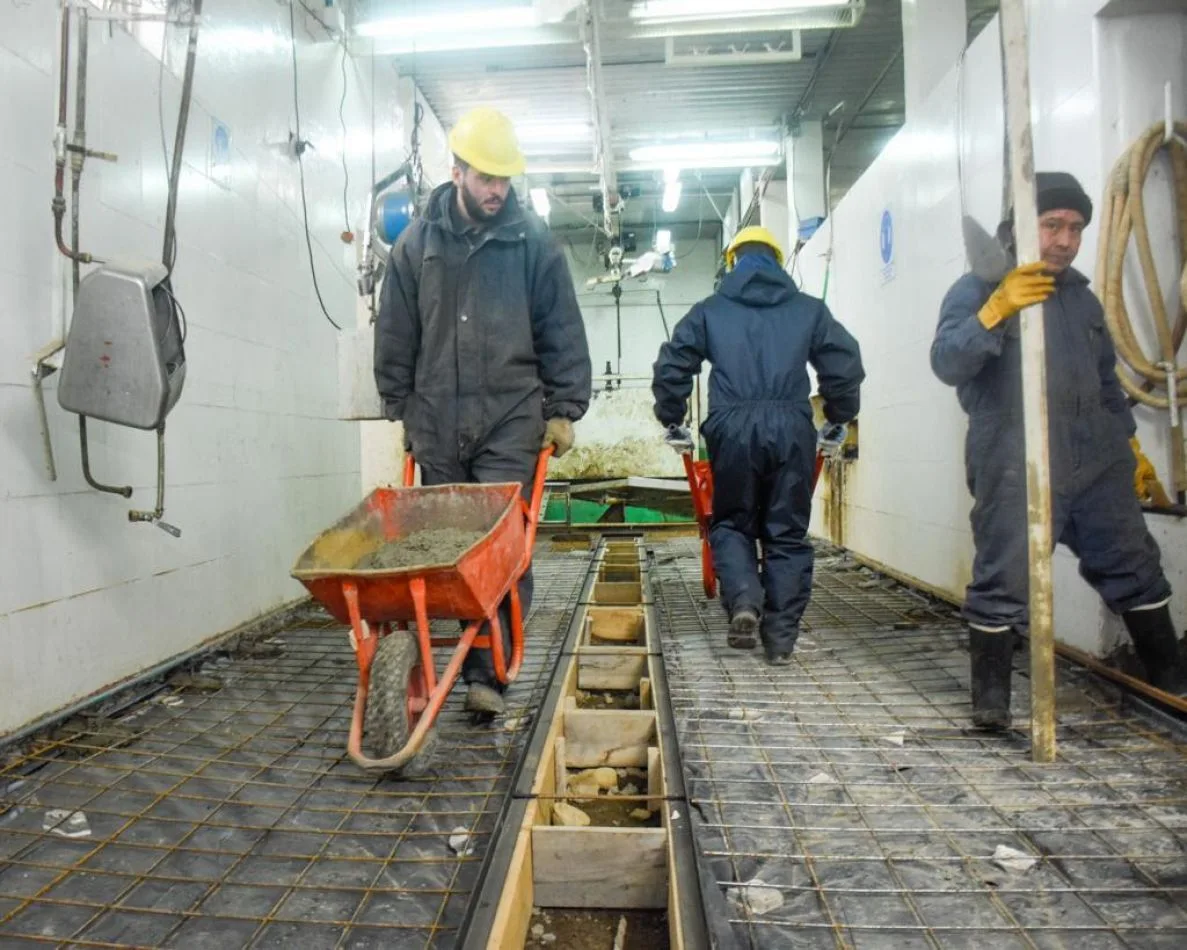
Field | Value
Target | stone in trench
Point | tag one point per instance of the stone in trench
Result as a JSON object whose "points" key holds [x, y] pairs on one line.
{"points": [[641, 814], [568, 815], [538, 931], [594, 780]]}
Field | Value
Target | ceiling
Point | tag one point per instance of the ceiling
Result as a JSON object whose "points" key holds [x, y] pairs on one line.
{"points": [[543, 88]]}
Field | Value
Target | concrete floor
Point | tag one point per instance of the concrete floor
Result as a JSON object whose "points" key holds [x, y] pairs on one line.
{"points": [[838, 802], [231, 817], [844, 802]]}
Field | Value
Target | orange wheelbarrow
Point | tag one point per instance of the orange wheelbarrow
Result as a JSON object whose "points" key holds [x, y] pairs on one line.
{"points": [[399, 691], [700, 485]]}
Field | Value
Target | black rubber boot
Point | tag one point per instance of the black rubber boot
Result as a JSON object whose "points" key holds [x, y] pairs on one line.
{"points": [[743, 633], [990, 659], [1157, 646], [484, 702]]}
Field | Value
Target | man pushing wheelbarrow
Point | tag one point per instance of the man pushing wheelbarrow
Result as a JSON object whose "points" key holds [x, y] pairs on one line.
{"points": [[480, 349], [759, 332]]}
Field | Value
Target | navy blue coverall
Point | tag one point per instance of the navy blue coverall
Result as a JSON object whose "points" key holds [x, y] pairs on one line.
{"points": [[759, 332], [1095, 511]]}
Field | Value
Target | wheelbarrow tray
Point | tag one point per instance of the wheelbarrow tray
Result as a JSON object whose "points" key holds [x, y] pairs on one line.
{"points": [[469, 588]]}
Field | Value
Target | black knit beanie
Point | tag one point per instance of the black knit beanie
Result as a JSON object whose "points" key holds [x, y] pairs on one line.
{"points": [[1059, 190]]}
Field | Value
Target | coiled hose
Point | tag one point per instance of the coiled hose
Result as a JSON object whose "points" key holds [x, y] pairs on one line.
{"points": [[1146, 379]]}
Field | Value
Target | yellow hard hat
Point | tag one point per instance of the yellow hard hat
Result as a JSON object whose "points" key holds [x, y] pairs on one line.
{"points": [[485, 140], [752, 235]]}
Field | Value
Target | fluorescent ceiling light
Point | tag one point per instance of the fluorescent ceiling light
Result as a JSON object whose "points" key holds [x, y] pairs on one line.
{"points": [[540, 202], [553, 132], [671, 174], [446, 22], [663, 241], [694, 154], [544, 139], [672, 196], [671, 11]]}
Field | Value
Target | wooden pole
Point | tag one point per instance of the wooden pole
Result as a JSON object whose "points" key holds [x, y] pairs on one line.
{"points": [[1016, 51]]}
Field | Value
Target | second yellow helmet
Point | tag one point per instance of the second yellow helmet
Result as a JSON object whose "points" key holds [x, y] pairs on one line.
{"points": [[752, 235]]}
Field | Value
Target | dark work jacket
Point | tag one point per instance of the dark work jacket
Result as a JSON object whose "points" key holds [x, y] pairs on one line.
{"points": [[760, 333], [478, 332], [1089, 421]]}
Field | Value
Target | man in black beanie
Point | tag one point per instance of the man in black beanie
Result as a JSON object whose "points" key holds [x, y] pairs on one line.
{"points": [[1095, 510]]}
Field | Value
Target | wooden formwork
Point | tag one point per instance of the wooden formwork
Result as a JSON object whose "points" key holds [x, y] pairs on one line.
{"points": [[598, 867]]}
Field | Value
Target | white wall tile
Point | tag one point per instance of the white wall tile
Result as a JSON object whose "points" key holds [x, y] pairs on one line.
{"points": [[257, 464]]}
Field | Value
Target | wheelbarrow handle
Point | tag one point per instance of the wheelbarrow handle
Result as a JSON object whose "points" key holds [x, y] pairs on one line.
{"points": [[534, 506]]}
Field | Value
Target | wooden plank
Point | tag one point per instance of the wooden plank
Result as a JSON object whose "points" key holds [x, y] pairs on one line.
{"points": [[1016, 57], [514, 915], [619, 575], [617, 670], [622, 624], [614, 594], [615, 737], [675, 920], [559, 770], [604, 868], [655, 780]]}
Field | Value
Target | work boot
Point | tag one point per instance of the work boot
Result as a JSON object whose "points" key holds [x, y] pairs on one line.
{"points": [[743, 633], [484, 701], [778, 657], [990, 656], [1157, 646]]}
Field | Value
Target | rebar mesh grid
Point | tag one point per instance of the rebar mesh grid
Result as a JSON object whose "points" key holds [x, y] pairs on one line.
{"points": [[233, 818], [844, 801]]}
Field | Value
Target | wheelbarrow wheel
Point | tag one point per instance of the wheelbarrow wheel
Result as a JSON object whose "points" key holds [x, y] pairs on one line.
{"points": [[396, 682]]}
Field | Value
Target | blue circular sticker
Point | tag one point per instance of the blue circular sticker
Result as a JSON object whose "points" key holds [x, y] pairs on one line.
{"points": [[886, 237]]}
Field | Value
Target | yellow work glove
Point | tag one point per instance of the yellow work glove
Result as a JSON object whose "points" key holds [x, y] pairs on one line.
{"points": [[1145, 480], [1023, 287], [559, 434]]}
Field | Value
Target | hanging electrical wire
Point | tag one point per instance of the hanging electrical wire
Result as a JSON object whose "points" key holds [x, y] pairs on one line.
{"points": [[299, 147], [345, 165]]}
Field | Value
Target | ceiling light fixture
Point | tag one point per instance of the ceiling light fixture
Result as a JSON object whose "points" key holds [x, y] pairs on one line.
{"points": [[708, 154], [540, 202], [444, 22], [672, 192], [674, 11]]}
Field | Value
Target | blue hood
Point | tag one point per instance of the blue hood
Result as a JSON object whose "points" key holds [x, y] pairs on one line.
{"points": [[757, 281]]}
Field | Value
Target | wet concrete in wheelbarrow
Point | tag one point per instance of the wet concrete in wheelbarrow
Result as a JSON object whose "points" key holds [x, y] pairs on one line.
{"points": [[222, 810], [429, 547]]}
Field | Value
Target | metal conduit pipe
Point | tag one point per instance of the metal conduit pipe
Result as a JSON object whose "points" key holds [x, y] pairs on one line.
{"points": [[1158, 382]]}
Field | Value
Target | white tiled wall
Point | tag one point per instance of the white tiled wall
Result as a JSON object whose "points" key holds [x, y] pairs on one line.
{"points": [[1096, 84], [257, 462]]}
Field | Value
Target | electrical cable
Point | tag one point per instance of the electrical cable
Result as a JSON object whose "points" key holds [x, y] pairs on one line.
{"points": [[183, 324], [345, 167], [659, 302], [161, 115], [301, 165], [700, 225]]}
